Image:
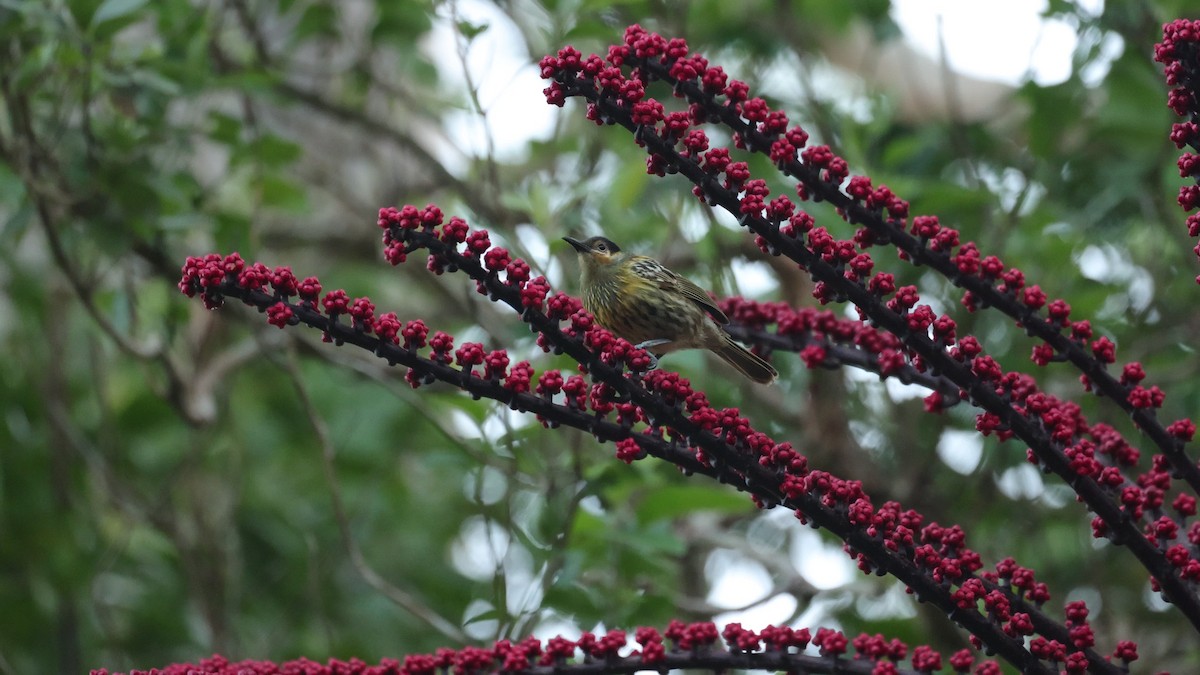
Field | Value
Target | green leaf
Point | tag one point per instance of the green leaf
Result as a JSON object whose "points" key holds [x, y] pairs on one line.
{"points": [[233, 230], [400, 23], [183, 222], [671, 501], [282, 193], [249, 81], [629, 186], [154, 81], [12, 192], [17, 223], [651, 542], [273, 151], [226, 129], [319, 20], [472, 30], [486, 615], [115, 9]]}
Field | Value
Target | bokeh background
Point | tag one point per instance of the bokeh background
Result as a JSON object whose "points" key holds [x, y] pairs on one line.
{"points": [[176, 482]]}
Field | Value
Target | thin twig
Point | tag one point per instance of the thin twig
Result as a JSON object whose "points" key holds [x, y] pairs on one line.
{"points": [[402, 598]]}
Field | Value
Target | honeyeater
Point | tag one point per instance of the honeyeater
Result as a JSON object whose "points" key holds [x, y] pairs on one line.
{"points": [[638, 299]]}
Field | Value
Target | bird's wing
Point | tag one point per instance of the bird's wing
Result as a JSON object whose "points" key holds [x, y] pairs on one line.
{"points": [[652, 270]]}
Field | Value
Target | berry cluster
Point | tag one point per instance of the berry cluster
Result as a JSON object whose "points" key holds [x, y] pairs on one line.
{"points": [[823, 340], [696, 645], [1179, 52]]}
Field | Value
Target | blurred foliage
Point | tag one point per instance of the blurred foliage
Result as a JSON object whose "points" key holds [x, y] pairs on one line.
{"points": [[175, 482]]}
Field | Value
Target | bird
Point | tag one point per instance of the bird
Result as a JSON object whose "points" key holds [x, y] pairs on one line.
{"points": [[640, 300]]}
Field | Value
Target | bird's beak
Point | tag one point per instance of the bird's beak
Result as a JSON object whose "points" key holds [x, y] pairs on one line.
{"points": [[576, 243]]}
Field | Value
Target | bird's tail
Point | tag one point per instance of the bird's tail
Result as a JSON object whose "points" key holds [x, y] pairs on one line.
{"points": [[746, 362]]}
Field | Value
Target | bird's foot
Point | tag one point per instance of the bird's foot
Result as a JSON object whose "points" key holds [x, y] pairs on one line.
{"points": [[647, 344]]}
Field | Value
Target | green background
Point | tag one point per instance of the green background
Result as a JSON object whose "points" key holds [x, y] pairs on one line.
{"points": [[176, 482]]}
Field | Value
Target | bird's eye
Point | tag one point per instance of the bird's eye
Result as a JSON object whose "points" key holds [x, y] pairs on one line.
{"points": [[601, 247]]}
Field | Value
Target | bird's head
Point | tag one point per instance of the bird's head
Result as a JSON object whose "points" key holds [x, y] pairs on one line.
{"points": [[595, 252]]}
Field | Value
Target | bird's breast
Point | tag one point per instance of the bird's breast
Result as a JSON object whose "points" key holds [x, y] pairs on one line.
{"points": [[640, 311]]}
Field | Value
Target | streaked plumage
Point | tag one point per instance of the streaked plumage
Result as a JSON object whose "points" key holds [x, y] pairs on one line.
{"points": [[638, 299]]}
